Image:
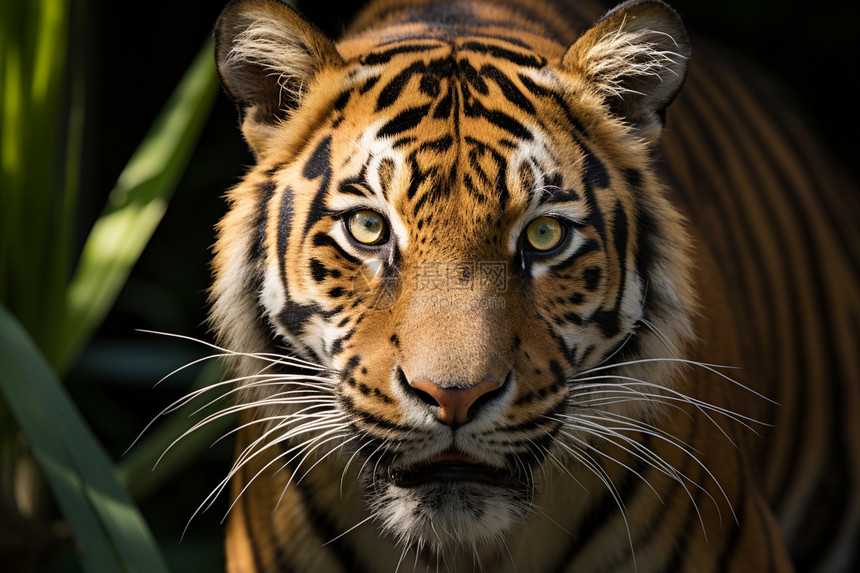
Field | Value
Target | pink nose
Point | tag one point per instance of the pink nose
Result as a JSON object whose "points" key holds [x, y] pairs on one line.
{"points": [[455, 404]]}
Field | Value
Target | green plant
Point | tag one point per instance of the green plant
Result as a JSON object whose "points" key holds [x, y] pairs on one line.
{"points": [[48, 309]]}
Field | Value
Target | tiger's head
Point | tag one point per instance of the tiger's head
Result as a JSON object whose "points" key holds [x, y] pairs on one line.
{"points": [[451, 230]]}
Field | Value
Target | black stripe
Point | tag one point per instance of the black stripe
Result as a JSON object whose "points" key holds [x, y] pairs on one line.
{"points": [[439, 145], [501, 188], [323, 240], [594, 173], [368, 84], [389, 94], [608, 320], [472, 33], [266, 192], [509, 90], [508, 123], [474, 108], [536, 448], [416, 177], [385, 56], [477, 168], [470, 74], [587, 247], [557, 386], [318, 166], [340, 102], [293, 316], [406, 119], [285, 221], [559, 101], [553, 196], [595, 215], [319, 272], [423, 199], [377, 423], [525, 60], [443, 107], [352, 188], [404, 141], [539, 421]]}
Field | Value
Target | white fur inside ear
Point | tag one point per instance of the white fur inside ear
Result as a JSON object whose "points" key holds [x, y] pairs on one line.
{"points": [[623, 55], [635, 58], [276, 48]]}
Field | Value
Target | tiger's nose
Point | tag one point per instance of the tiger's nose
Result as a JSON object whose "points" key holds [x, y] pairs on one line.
{"points": [[456, 405]]}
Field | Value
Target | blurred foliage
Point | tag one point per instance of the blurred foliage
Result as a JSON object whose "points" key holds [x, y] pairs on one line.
{"points": [[51, 305], [106, 524]]}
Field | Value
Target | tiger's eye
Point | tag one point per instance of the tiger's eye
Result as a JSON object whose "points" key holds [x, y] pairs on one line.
{"points": [[367, 227], [544, 233]]}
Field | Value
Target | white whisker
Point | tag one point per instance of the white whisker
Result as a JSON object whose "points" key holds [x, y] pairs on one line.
{"points": [[359, 524]]}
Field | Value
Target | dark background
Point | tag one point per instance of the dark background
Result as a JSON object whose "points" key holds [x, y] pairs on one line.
{"points": [[134, 55]]}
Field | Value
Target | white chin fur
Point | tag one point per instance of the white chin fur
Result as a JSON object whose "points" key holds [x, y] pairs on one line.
{"points": [[447, 516]]}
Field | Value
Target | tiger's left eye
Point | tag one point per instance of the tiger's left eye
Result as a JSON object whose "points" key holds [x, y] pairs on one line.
{"points": [[367, 227], [544, 233]]}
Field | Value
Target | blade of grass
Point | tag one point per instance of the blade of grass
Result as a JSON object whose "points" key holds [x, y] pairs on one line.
{"points": [[113, 535], [36, 36], [11, 143], [44, 168], [135, 207], [70, 155]]}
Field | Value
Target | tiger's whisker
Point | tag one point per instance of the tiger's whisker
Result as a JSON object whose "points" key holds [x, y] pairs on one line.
{"points": [[707, 366], [360, 523], [279, 359], [673, 442], [301, 447], [305, 453]]}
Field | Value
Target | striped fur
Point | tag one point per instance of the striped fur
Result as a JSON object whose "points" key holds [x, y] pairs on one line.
{"points": [[604, 438]]}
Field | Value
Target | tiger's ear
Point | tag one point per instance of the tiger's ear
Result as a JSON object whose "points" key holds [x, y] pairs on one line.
{"points": [[636, 57], [267, 55]]}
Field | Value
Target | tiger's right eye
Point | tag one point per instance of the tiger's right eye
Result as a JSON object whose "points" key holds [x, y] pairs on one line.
{"points": [[367, 227], [544, 234]]}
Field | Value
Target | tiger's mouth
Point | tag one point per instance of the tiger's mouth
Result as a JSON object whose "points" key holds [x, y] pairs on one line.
{"points": [[450, 466]]}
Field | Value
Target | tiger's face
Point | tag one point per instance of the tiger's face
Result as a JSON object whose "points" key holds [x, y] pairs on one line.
{"points": [[459, 234]]}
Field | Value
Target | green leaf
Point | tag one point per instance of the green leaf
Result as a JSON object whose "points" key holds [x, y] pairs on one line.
{"points": [[36, 219], [112, 534], [135, 207]]}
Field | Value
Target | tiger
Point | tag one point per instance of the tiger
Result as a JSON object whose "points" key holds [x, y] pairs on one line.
{"points": [[499, 295]]}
